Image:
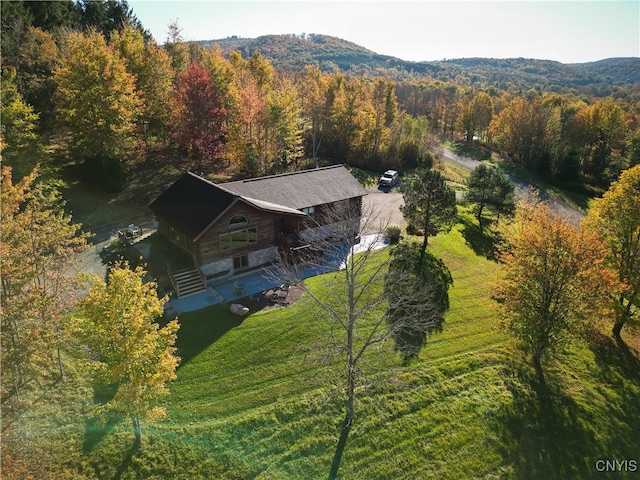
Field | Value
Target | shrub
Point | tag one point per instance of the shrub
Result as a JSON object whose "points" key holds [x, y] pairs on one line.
{"points": [[392, 232]]}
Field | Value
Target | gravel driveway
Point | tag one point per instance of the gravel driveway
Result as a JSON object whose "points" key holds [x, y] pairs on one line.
{"points": [[381, 208]]}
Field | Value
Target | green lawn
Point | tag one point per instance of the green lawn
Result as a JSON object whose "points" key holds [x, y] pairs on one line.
{"points": [[98, 210], [258, 397]]}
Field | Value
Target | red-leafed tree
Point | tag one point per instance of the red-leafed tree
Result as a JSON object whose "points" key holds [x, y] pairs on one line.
{"points": [[198, 116]]}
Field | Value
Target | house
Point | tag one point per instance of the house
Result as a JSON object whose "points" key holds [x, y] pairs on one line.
{"points": [[231, 228]]}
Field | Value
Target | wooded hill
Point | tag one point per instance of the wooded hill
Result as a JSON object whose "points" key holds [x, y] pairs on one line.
{"points": [[294, 52]]}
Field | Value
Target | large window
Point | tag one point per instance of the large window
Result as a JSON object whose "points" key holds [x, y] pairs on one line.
{"points": [[238, 238]]}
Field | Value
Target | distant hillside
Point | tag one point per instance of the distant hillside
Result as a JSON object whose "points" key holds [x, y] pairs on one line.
{"points": [[624, 70], [293, 52]]}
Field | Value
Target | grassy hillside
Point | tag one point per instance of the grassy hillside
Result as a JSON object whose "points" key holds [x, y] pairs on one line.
{"points": [[259, 398]]}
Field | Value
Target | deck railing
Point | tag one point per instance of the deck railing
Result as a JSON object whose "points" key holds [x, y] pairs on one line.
{"points": [[199, 270], [172, 280]]}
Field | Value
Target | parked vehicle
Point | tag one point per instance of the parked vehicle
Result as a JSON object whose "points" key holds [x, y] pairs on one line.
{"points": [[389, 179]]}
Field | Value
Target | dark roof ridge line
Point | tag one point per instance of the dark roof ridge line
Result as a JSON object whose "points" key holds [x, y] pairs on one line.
{"points": [[246, 198], [287, 174]]}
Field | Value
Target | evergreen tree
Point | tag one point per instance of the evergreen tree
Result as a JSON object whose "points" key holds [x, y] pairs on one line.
{"points": [[488, 188], [429, 205]]}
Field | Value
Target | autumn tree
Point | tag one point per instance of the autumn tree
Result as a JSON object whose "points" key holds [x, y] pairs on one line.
{"points": [[345, 116], [616, 216], [418, 295], [265, 133], [96, 97], [198, 116], [221, 72], [316, 102], [379, 112], [488, 188], [554, 282], [429, 205], [520, 133], [39, 247], [475, 115], [37, 57], [151, 69], [409, 142], [19, 143], [283, 127], [442, 105], [117, 320], [564, 131], [603, 129]]}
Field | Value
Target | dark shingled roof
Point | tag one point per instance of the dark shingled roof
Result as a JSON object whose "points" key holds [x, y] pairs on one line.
{"points": [[303, 189], [192, 203]]}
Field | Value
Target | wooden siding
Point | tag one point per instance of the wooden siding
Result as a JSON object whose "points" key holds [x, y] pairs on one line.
{"points": [[269, 226], [176, 237], [266, 223], [325, 214]]}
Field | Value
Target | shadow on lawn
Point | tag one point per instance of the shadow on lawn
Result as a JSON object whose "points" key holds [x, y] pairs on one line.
{"points": [[548, 435], [483, 243], [198, 330], [96, 428]]}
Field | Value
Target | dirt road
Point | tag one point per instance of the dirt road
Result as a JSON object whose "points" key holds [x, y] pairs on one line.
{"points": [[521, 187]]}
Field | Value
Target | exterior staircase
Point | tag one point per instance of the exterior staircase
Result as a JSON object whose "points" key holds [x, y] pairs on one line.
{"points": [[188, 282]]}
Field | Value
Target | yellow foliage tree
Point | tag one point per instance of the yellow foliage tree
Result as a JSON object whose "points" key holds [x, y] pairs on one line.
{"points": [[39, 247], [617, 217], [117, 321]]}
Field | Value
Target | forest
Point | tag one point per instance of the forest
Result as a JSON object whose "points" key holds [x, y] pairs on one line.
{"points": [[494, 336], [88, 78]]}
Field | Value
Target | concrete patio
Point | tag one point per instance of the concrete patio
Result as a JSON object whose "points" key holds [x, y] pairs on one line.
{"points": [[266, 279]]}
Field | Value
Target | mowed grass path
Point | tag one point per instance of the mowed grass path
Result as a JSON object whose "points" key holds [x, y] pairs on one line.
{"points": [[260, 398]]}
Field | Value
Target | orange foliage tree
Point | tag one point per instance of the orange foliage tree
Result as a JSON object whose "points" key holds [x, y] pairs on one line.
{"points": [[554, 281]]}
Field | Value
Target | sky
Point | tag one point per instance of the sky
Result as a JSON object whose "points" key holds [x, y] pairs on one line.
{"points": [[571, 31]]}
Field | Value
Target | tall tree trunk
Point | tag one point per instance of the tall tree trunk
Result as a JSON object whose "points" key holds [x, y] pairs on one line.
{"points": [[137, 430], [16, 386], [480, 209], [537, 356], [425, 241], [617, 327], [423, 251], [60, 369], [626, 315]]}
